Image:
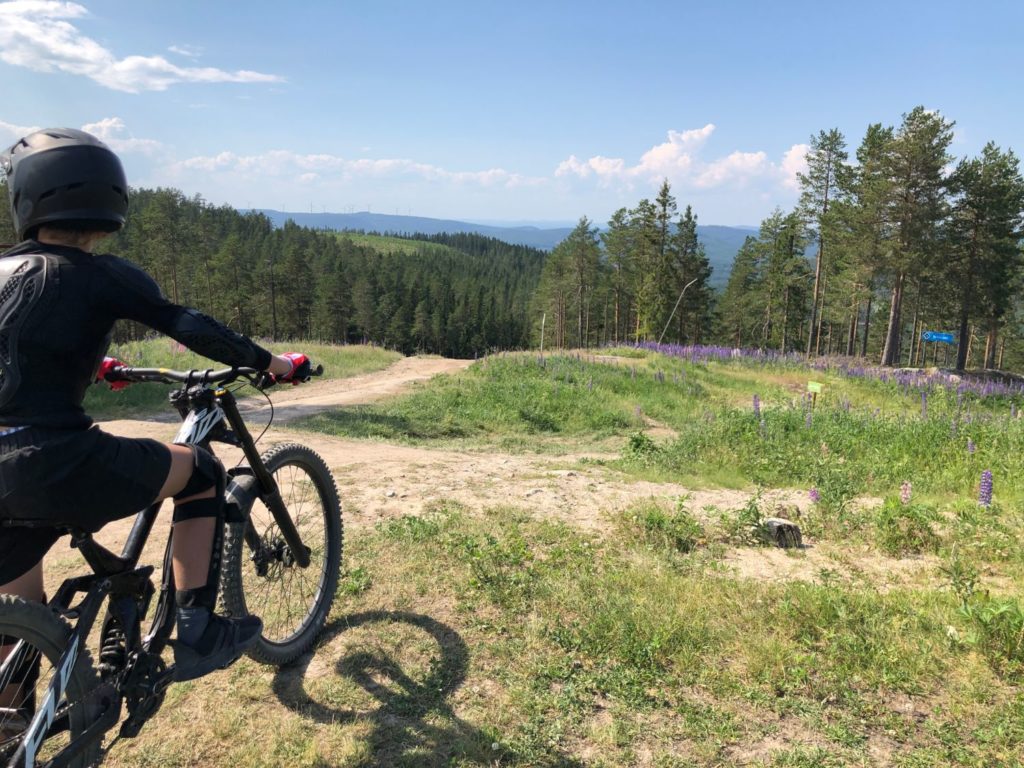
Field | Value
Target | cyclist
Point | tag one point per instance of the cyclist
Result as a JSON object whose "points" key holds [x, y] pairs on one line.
{"points": [[58, 303]]}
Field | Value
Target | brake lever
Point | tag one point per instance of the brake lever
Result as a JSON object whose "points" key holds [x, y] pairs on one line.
{"points": [[264, 380]]}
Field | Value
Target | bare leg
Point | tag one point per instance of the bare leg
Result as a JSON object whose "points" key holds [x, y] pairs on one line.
{"points": [[192, 547]]}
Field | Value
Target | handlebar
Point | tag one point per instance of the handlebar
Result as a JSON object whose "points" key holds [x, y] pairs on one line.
{"points": [[207, 376]]}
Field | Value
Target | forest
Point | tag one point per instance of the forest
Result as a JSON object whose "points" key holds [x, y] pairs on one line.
{"points": [[901, 239], [457, 295], [904, 240]]}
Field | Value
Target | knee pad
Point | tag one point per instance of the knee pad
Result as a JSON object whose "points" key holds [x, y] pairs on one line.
{"points": [[207, 472]]}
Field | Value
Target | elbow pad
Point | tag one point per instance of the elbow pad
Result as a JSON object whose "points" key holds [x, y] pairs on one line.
{"points": [[212, 339]]}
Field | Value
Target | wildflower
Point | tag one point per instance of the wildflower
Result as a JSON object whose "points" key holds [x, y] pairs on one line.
{"points": [[971, 447], [985, 491], [1013, 410], [814, 495], [638, 412], [757, 406], [809, 420], [905, 491], [924, 404]]}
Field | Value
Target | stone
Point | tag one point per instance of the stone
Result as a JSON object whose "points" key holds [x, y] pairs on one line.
{"points": [[782, 532]]}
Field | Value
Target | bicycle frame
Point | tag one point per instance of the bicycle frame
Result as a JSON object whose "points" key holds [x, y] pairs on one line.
{"points": [[204, 409]]}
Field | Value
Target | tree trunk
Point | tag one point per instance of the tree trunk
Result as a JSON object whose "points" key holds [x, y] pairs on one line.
{"points": [[991, 342], [821, 314], [867, 327], [963, 340], [1002, 349], [814, 303], [851, 339], [785, 320], [890, 352]]}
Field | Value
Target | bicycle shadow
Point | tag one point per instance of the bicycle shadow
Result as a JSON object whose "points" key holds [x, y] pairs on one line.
{"points": [[414, 724]]}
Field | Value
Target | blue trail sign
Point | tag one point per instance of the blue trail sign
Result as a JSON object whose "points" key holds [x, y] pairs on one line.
{"points": [[939, 336]]}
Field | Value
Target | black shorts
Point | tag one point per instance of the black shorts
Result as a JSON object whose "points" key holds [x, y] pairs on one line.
{"points": [[85, 478]]}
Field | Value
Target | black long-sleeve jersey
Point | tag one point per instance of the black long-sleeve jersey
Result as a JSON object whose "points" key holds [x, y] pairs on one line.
{"points": [[57, 310]]}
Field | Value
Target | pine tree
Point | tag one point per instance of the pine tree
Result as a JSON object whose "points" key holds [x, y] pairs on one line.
{"points": [[826, 181], [916, 163], [985, 260]]}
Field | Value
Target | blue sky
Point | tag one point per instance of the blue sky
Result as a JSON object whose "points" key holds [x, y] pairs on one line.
{"points": [[482, 110]]}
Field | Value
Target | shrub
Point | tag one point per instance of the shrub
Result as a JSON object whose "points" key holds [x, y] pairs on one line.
{"points": [[903, 529], [676, 530]]}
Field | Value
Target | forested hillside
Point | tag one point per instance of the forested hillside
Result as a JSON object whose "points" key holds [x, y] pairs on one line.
{"points": [[455, 295]]}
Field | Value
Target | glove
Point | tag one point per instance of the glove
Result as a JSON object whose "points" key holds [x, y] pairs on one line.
{"points": [[106, 367], [301, 370]]}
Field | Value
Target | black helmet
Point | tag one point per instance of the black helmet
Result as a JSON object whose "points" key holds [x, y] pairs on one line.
{"points": [[60, 174]]}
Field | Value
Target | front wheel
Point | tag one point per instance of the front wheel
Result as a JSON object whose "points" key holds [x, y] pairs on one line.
{"points": [[259, 575]]}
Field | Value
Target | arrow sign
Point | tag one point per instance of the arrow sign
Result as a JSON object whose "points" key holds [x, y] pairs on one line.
{"points": [[939, 336]]}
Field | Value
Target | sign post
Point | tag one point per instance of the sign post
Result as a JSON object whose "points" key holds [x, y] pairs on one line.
{"points": [[814, 387], [938, 337]]}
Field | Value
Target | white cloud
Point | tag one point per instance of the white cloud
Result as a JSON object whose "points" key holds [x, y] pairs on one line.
{"points": [[11, 132], [680, 160], [39, 35], [192, 51], [736, 167], [110, 130], [794, 162], [325, 167]]}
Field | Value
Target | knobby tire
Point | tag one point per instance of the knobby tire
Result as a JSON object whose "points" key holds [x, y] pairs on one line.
{"points": [[309, 492]]}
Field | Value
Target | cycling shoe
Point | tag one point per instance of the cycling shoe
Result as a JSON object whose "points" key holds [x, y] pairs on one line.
{"points": [[222, 643]]}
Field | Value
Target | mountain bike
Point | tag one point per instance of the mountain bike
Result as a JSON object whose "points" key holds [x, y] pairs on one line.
{"points": [[281, 561]]}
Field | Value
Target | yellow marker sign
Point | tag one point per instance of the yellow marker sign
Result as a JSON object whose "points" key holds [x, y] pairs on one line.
{"points": [[814, 387]]}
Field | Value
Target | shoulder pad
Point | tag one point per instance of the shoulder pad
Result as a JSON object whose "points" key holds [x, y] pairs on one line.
{"points": [[130, 276]]}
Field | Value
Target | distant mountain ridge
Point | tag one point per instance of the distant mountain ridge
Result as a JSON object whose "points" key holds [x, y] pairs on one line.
{"points": [[720, 242]]}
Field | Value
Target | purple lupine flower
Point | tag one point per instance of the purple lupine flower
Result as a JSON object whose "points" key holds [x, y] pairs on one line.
{"points": [[905, 491], [638, 412], [814, 495], [809, 419], [953, 428], [924, 404], [971, 447], [985, 490], [757, 406]]}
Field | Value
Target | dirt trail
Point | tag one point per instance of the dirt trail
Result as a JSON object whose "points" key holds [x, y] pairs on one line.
{"points": [[379, 480]]}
